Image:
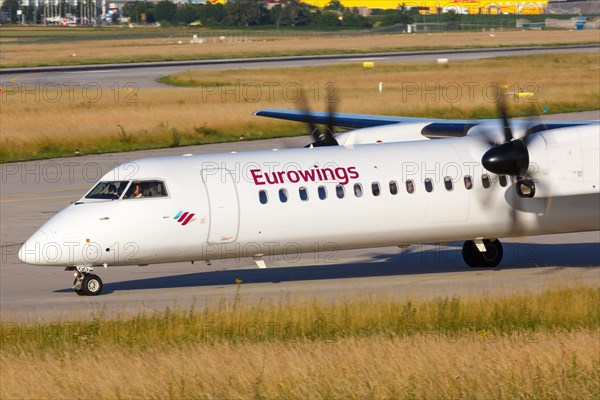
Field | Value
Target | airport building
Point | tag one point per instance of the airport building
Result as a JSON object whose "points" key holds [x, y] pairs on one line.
{"points": [[90, 11], [62, 12], [435, 6], [444, 6]]}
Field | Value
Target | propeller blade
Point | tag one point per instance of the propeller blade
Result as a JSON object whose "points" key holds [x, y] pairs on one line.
{"points": [[324, 138], [536, 124], [328, 138], [485, 134], [511, 159], [516, 204], [313, 130], [503, 112]]}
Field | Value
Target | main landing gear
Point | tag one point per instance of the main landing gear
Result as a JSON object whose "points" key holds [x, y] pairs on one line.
{"points": [[482, 253], [87, 284]]}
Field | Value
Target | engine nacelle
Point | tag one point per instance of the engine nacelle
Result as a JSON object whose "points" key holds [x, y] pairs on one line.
{"points": [[563, 162]]}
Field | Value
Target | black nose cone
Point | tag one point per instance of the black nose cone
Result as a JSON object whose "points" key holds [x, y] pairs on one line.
{"points": [[510, 158]]}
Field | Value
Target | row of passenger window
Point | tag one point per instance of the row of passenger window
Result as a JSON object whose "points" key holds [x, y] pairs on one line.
{"points": [[340, 190]]}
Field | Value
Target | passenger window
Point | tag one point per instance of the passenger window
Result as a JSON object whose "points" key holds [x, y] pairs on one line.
{"points": [[283, 195], [339, 191], [448, 183], [262, 196], [303, 193], [468, 182], [428, 185], [322, 192], [410, 186], [503, 180], [358, 190], [393, 187], [107, 190], [375, 189], [139, 189], [485, 181]]}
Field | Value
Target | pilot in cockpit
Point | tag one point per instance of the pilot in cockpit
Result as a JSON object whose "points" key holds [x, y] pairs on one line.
{"points": [[137, 192], [112, 191]]}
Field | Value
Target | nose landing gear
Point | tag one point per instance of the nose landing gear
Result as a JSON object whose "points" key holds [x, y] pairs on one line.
{"points": [[87, 284], [483, 253]]}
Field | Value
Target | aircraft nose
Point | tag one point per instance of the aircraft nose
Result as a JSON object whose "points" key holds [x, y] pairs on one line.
{"points": [[34, 250]]}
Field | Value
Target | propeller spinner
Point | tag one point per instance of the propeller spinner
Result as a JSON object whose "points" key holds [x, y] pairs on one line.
{"points": [[512, 157]]}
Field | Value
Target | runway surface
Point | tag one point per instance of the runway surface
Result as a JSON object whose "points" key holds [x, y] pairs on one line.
{"points": [[32, 192], [145, 76]]}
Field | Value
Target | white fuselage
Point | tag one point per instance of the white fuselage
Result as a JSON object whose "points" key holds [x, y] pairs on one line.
{"points": [[223, 193]]}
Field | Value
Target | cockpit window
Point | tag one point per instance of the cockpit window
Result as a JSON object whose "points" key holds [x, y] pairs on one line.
{"points": [[145, 189], [107, 190]]}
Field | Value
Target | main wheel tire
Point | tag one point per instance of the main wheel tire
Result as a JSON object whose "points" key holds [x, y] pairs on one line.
{"points": [[91, 285], [469, 252], [493, 254], [488, 259]]}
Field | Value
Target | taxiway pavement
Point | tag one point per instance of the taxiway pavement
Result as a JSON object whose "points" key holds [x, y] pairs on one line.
{"points": [[145, 74]]}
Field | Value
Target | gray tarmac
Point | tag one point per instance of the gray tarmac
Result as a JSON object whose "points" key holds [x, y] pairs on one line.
{"points": [[31, 192], [113, 76]]}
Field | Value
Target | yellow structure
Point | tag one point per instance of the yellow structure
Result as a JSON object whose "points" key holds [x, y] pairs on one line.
{"points": [[440, 6], [526, 7]]}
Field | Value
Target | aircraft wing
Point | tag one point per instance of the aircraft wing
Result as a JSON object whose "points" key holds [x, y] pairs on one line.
{"points": [[342, 120], [432, 129]]}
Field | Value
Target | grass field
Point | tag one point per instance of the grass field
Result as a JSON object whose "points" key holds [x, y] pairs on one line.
{"points": [[544, 346], [90, 46], [211, 106]]}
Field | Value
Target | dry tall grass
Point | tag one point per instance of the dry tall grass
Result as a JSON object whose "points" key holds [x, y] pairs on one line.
{"points": [[243, 44], [543, 366], [544, 346], [220, 106]]}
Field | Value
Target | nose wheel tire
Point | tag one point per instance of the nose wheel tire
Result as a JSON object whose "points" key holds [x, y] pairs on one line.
{"points": [[490, 258], [89, 285]]}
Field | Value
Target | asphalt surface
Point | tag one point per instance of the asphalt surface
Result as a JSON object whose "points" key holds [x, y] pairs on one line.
{"points": [[145, 75], [31, 192]]}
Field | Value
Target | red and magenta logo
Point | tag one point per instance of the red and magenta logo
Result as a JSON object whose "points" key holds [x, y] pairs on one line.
{"points": [[184, 217], [314, 174]]}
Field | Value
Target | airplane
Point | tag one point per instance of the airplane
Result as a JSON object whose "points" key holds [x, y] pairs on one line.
{"points": [[385, 181]]}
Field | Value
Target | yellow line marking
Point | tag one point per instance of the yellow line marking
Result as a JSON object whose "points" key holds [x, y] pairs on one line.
{"points": [[14, 78], [38, 198], [44, 192]]}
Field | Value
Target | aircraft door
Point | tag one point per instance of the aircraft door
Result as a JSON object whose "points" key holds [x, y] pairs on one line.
{"points": [[223, 204]]}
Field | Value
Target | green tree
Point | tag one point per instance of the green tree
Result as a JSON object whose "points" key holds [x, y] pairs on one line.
{"points": [[402, 15], [212, 14], [334, 5], [291, 13], [355, 21], [11, 7], [247, 12], [186, 14], [330, 18], [452, 15], [135, 10], [164, 10]]}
